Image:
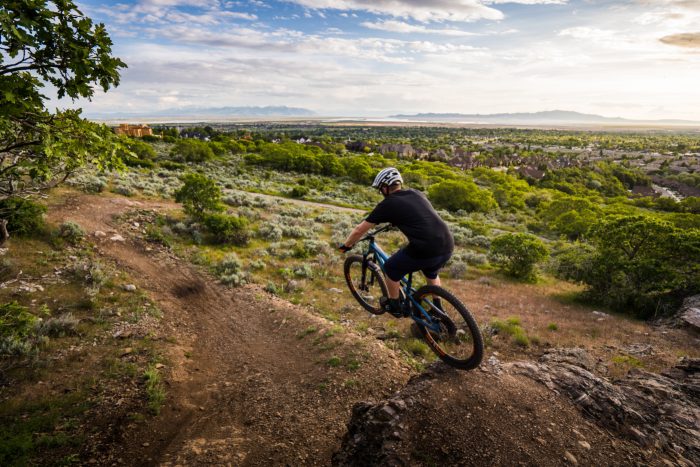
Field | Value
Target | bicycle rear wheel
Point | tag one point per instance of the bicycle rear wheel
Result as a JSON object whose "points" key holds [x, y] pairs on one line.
{"points": [[458, 341], [366, 283]]}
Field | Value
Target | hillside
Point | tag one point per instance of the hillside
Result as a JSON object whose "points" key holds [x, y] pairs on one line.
{"points": [[220, 329], [248, 375]]}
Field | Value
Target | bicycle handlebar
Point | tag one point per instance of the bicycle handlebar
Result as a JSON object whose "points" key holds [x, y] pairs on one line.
{"points": [[379, 230]]}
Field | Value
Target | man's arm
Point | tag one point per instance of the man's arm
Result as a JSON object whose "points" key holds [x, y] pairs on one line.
{"points": [[357, 233]]}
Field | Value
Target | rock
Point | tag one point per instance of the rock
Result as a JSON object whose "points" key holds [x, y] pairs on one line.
{"points": [[570, 458], [584, 444], [600, 314], [640, 350], [130, 288], [690, 312], [386, 413], [493, 364], [335, 290], [116, 238], [292, 286], [99, 234], [127, 351], [29, 287], [122, 334], [648, 408], [159, 366]]}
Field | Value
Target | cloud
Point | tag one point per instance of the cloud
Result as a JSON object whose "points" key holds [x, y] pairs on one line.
{"points": [[584, 32], [689, 39], [529, 2], [437, 10], [406, 28]]}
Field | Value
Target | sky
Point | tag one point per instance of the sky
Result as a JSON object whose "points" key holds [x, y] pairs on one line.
{"points": [[636, 59]]}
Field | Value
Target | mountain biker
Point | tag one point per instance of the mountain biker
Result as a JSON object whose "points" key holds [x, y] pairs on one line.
{"points": [[430, 243]]}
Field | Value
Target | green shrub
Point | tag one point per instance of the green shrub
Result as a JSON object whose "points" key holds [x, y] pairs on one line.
{"points": [[171, 165], [15, 321], [454, 195], [71, 232], [299, 191], [191, 150], [229, 270], [573, 262], [64, 325], [642, 264], [23, 217], [227, 229], [143, 152], [517, 254], [199, 195]]}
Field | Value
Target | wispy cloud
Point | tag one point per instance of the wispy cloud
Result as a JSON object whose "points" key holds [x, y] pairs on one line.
{"points": [[690, 40], [438, 10], [406, 28]]}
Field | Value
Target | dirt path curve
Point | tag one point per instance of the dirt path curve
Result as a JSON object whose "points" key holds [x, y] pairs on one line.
{"points": [[243, 387]]}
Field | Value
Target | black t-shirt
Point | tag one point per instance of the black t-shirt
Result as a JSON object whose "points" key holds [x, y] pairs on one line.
{"points": [[411, 212]]}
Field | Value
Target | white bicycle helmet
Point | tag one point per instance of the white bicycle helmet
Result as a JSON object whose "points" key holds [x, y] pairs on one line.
{"points": [[387, 177]]}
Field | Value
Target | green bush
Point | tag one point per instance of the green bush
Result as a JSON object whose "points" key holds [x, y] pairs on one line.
{"points": [[199, 195], [572, 262], [642, 264], [454, 195], [230, 272], [144, 153], [171, 165], [191, 150], [71, 232], [227, 229], [15, 321], [23, 217], [517, 254], [299, 191]]}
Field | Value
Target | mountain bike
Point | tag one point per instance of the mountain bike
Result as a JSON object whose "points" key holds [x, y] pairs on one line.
{"points": [[445, 324]]}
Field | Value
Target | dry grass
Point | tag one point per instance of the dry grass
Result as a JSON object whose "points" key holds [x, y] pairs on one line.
{"points": [[538, 306]]}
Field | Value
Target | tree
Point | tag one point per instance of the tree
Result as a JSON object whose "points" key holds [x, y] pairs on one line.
{"points": [[518, 253], [191, 150], [199, 195], [454, 195], [51, 42], [643, 264]]}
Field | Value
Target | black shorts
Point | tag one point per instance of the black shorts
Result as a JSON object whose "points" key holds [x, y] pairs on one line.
{"points": [[401, 263]]}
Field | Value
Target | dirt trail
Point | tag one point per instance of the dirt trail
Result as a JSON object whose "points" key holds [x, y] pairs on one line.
{"points": [[250, 391], [244, 389]]}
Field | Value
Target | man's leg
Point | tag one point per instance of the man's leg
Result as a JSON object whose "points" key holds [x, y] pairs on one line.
{"points": [[435, 281], [393, 286], [396, 266]]}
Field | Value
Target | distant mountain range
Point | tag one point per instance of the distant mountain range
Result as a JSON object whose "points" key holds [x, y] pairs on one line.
{"points": [[545, 117], [209, 112]]}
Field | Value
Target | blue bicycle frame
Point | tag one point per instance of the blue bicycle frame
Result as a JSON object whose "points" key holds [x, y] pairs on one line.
{"points": [[380, 257]]}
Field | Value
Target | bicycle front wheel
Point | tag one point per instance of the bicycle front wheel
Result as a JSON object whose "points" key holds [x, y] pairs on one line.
{"points": [[365, 282], [457, 339]]}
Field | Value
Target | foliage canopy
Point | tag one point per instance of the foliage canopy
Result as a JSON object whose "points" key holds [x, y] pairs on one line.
{"points": [[51, 42]]}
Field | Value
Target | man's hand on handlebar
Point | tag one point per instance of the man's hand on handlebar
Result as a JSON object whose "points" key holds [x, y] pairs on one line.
{"points": [[343, 248]]}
